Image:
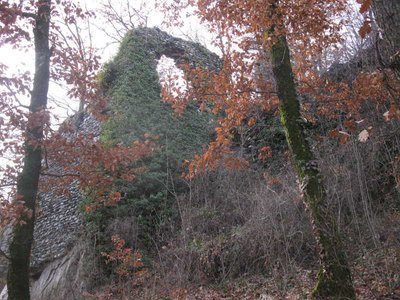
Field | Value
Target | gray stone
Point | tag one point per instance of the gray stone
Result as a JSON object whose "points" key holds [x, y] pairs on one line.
{"points": [[56, 259]]}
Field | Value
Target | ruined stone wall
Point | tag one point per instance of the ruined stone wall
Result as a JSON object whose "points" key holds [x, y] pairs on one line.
{"points": [[58, 218], [58, 222]]}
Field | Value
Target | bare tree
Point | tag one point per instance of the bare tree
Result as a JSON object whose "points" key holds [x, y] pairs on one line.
{"points": [[122, 16]]}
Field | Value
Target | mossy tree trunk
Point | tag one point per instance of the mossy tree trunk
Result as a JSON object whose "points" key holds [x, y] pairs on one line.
{"points": [[334, 279], [387, 16], [27, 184]]}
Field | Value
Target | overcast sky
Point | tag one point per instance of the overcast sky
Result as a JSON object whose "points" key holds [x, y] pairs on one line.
{"points": [[19, 61]]}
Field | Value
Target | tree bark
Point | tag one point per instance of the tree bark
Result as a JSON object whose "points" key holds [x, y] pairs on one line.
{"points": [[387, 16], [27, 184], [334, 279]]}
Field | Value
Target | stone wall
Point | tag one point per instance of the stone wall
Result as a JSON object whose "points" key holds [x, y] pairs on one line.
{"points": [[58, 222], [58, 218]]}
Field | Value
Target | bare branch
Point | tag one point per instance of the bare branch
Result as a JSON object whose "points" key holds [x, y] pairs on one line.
{"points": [[15, 96], [8, 184], [2, 253], [27, 15], [60, 175]]}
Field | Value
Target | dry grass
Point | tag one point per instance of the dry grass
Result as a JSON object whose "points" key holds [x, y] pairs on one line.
{"points": [[246, 235]]}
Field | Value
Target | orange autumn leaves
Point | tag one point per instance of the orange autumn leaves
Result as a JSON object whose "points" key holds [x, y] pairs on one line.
{"points": [[128, 262], [366, 28], [13, 213], [94, 164], [235, 92], [231, 96]]}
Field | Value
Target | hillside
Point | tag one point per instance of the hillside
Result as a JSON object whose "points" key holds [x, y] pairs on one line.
{"points": [[269, 172]]}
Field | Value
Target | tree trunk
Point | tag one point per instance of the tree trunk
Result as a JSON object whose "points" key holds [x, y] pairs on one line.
{"points": [[334, 279], [387, 16], [27, 184]]}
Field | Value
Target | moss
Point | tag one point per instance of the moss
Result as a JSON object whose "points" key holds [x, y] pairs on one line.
{"points": [[106, 77], [334, 281], [131, 83], [328, 289]]}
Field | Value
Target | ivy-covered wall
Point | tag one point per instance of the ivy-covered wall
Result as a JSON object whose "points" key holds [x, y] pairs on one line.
{"points": [[132, 86], [131, 83]]}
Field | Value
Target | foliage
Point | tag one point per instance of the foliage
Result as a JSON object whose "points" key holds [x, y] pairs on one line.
{"points": [[270, 27], [143, 223], [131, 83], [138, 109], [225, 230], [128, 263], [27, 137]]}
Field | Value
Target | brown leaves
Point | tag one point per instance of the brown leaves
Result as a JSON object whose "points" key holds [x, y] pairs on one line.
{"points": [[94, 165], [265, 153], [365, 5], [343, 137], [129, 263], [334, 133], [13, 28], [72, 62], [13, 213], [350, 125], [251, 122], [235, 92], [392, 114], [365, 28]]}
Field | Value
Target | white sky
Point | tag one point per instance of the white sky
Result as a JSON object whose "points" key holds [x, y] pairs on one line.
{"points": [[21, 61], [18, 61]]}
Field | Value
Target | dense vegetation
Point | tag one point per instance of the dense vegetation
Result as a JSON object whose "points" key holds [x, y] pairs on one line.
{"points": [[148, 209], [227, 224], [274, 174]]}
